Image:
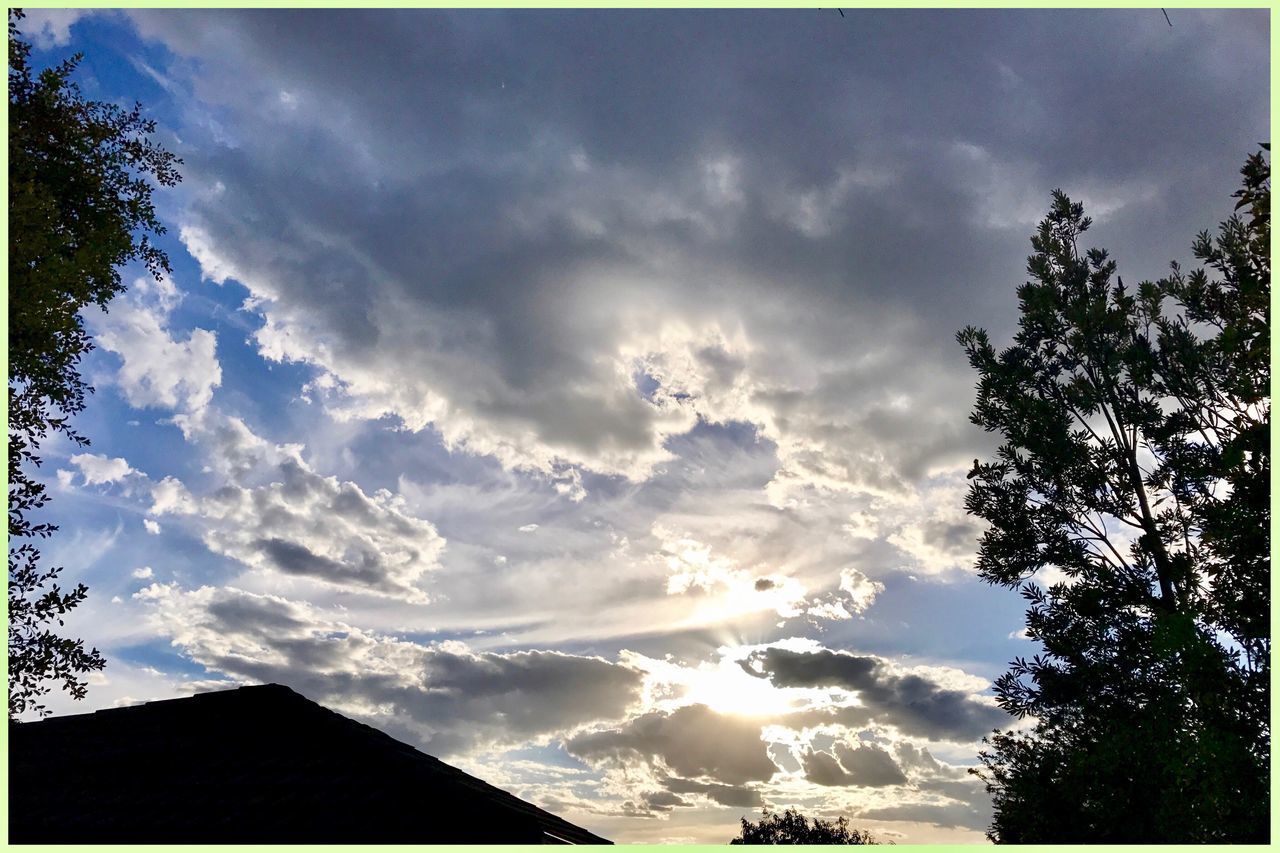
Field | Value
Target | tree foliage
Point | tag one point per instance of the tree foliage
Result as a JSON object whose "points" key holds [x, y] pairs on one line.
{"points": [[1133, 483], [80, 185], [791, 827]]}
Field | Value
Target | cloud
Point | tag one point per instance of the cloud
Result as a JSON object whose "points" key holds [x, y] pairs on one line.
{"points": [[935, 532], [171, 496], [101, 470], [273, 513], [918, 759], [50, 28], [317, 527], [694, 568], [445, 696], [822, 768], [574, 289], [864, 765], [692, 741], [233, 450], [861, 590], [800, 741], [663, 801], [855, 593], [912, 703], [949, 814], [630, 275], [733, 796], [157, 369]]}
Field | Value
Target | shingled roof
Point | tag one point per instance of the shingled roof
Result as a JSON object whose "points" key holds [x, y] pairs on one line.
{"points": [[253, 764]]}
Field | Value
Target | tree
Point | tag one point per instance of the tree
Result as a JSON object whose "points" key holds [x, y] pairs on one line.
{"points": [[791, 827], [80, 206], [1135, 469]]}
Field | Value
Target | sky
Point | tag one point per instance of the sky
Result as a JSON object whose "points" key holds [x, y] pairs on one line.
{"points": [[575, 395]]}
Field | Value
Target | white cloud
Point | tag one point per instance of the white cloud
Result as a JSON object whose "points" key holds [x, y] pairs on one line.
{"points": [[158, 369], [933, 529], [49, 28], [234, 451], [143, 573], [199, 244], [274, 514], [100, 470], [170, 496], [725, 587], [317, 527], [152, 527], [860, 589]]}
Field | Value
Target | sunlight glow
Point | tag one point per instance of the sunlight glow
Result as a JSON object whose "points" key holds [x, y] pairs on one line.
{"points": [[724, 687]]}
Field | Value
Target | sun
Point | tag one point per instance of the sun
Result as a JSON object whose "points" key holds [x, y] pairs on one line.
{"points": [[725, 687]]}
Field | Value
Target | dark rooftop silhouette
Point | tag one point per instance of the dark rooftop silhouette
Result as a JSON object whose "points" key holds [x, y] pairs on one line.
{"points": [[253, 764]]}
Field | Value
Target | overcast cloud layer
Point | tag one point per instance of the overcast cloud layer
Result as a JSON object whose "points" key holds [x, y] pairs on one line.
{"points": [[574, 395]]}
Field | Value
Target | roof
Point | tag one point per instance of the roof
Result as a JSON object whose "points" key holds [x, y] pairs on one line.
{"points": [[253, 764]]}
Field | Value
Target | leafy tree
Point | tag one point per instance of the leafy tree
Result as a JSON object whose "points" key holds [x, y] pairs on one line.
{"points": [[1135, 468], [79, 207], [791, 827]]}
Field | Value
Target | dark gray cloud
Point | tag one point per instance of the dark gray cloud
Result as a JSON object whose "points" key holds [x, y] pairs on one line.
{"points": [[445, 697], [912, 703], [251, 614], [822, 768], [929, 774], [733, 796], [297, 559], [512, 205], [868, 764], [663, 801], [918, 759], [951, 537], [864, 765], [692, 741]]}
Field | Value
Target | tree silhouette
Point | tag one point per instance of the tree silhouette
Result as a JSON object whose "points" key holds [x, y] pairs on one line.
{"points": [[791, 827], [1135, 467], [79, 207]]}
